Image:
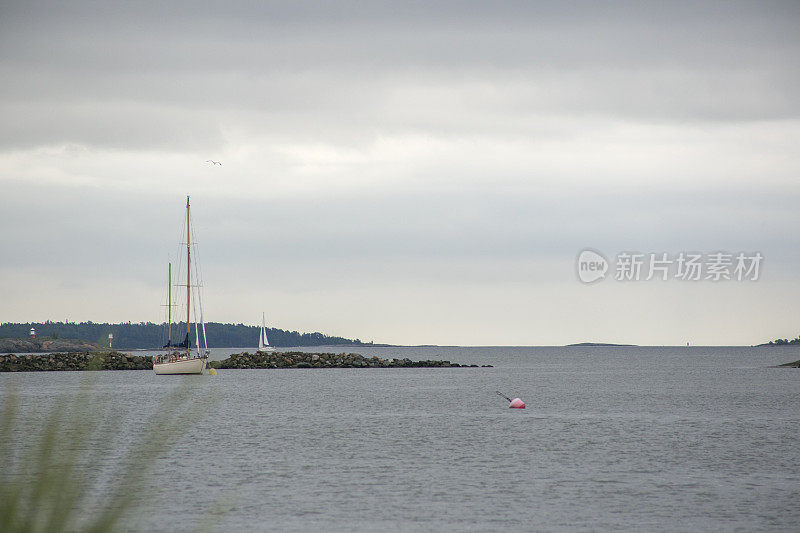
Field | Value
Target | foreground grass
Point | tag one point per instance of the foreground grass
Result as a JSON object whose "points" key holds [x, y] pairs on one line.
{"points": [[44, 481]]}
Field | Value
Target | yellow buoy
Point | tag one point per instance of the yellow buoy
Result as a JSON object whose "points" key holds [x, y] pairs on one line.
{"points": [[212, 371]]}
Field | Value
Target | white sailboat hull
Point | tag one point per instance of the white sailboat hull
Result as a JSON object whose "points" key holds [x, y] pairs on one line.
{"points": [[181, 366]]}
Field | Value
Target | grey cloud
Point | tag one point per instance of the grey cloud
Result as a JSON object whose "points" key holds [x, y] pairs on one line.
{"points": [[129, 125], [127, 233], [398, 152], [186, 70]]}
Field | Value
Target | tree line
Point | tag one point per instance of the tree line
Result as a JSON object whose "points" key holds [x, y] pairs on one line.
{"points": [[784, 342], [148, 335]]}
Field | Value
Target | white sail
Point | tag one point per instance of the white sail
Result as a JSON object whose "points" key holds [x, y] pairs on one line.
{"points": [[263, 342], [262, 336]]}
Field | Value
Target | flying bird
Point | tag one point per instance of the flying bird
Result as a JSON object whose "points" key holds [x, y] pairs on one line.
{"points": [[213, 162]]}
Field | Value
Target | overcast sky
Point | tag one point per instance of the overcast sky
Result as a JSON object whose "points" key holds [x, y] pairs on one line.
{"points": [[412, 173]]}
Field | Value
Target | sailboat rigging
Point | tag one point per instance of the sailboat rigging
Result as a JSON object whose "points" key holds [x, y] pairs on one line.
{"points": [[178, 361]]}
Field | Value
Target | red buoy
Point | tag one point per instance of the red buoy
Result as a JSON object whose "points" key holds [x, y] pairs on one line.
{"points": [[516, 403]]}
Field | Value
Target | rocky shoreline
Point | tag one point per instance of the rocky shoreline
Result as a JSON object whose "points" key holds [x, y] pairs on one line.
{"points": [[322, 360], [73, 361], [111, 360], [795, 364]]}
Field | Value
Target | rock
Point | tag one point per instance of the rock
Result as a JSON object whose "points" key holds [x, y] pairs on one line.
{"points": [[321, 360], [75, 361]]}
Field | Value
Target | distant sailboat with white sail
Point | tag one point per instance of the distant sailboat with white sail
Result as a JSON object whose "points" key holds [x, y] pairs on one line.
{"points": [[176, 360], [263, 342]]}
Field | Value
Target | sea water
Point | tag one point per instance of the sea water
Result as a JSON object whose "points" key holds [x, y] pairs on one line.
{"points": [[613, 438]]}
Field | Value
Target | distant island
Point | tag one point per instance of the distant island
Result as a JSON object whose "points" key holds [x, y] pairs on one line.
{"points": [[782, 342], [46, 344], [598, 344], [148, 335], [785, 342]]}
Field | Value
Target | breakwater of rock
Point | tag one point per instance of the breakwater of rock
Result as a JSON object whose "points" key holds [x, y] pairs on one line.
{"points": [[111, 360], [322, 360], [74, 361]]}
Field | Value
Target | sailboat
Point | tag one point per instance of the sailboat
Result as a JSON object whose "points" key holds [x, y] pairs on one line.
{"points": [[263, 342], [180, 358]]}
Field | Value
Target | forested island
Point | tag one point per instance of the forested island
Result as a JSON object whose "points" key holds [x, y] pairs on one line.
{"points": [[147, 335], [782, 342], [785, 342], [45, 344]]}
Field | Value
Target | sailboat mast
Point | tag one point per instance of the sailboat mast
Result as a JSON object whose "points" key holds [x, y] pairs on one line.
{"points": [[169, 306], [188, 275]]}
